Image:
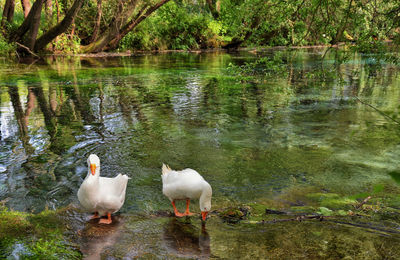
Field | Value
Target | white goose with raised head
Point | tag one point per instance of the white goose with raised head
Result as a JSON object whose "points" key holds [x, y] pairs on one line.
{"points": [[102, 195], [186, 185]]}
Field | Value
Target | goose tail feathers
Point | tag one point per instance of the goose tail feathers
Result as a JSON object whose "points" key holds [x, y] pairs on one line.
{"points": [[165, 169]]}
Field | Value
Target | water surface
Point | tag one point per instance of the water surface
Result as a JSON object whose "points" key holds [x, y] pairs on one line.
{"points": [[252, 140]]}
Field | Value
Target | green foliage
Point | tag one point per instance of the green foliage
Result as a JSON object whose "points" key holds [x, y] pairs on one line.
{"points": [[5, 47], [188, 25], [84, 26], [67, 44], [177, 26]]}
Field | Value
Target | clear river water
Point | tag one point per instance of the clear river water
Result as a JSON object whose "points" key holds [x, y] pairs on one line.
{"points": [[323, 123]]}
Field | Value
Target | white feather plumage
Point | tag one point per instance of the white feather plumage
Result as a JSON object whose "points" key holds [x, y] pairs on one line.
{"points": [[101, 194]]}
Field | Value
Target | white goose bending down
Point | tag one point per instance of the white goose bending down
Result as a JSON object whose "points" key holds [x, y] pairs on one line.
{"points": [[102, 195], [186, 185]]}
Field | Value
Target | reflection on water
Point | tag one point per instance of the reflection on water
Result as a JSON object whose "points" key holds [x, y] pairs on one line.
{"points": [[97, 238], [185, 110], [185, 240]]}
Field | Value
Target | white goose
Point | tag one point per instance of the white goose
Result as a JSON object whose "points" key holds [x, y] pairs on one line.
{"points": [[185, 185], [102, 195]]}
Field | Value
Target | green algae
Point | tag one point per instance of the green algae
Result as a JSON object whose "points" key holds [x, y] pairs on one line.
{"points": [[302, 209], [13, 223], [332, 200], [319, 196], [340, 203], [41, 235]]}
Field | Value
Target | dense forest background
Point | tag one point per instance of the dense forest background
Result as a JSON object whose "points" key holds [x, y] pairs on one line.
{"points": [[90, 26]]}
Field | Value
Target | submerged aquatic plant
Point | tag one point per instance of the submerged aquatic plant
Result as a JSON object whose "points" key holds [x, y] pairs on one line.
{"points": [[261, 67]]}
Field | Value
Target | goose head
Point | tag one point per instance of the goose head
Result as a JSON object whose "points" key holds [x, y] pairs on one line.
{"points": [[94, 164], [205, 201]]}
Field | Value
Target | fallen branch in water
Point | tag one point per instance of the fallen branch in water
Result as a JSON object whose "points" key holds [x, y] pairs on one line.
{"points": [[298, 218], [363, 202], [27, 49], [341, 220], [377, 110]]}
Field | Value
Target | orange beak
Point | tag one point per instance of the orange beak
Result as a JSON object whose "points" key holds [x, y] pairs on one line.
{"points": [[93, 168], [204, 215]]}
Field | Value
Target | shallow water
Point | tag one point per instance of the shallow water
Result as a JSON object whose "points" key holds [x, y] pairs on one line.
{"points": [[253, 141]]}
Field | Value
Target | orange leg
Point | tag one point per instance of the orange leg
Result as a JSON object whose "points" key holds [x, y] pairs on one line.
{"points": [[107, 220], [177, 213], [187, 212], [96, 215]]}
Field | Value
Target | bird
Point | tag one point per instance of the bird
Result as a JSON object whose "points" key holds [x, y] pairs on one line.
{"points": [[186, 185], [102, 195]]}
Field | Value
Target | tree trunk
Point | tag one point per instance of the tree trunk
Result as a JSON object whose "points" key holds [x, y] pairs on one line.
{"points": [[59, 28], [33, 28], [213, 9], [133, 23], [113, 35], [111, 32], [8, 12], [26, 7], [96, 28], [58, 11], [24, 27]]}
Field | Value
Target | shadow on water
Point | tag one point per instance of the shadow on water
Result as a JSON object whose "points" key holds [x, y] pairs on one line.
{"points": [[185, 240]]}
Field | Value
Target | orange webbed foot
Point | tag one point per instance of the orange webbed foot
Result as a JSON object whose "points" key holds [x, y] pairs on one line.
{"points": [[107, 220], [179, 215]]}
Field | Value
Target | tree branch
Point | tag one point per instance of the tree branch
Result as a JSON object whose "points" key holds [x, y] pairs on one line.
{"points": [[27, 49], [135, 22], [377, 110]]}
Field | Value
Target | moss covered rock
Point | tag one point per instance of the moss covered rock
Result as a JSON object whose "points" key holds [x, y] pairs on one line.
{"points": [[234, 214]]}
